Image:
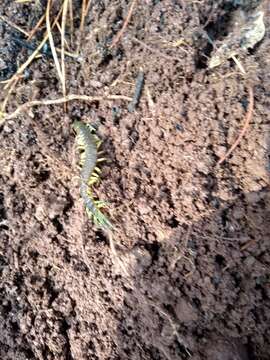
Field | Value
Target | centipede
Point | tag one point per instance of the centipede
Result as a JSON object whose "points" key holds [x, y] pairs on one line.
{"points": [[88, 144]]}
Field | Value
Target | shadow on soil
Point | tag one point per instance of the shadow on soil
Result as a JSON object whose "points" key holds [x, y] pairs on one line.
{"points": [[204, 292]]}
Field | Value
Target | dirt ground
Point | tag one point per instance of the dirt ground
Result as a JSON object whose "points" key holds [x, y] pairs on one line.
{"points": [[192, 237]]}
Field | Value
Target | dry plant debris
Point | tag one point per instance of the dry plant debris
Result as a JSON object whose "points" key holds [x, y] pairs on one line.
{"points": [[247, 31]]}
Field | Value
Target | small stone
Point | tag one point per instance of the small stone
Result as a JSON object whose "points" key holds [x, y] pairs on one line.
{"points": [[250, 261], [40, 214], [185, 311], [8, 128]]}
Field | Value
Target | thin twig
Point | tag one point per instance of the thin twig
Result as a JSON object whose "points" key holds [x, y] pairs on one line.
{"points": [[245, 126], [62, 100], [36, 27], [121, 32]]}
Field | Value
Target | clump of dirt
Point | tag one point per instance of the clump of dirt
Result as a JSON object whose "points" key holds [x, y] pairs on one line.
{"points": [[193, 237]]}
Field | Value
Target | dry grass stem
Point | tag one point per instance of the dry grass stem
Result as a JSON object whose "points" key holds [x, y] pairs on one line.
{"points": [[87, 7], [71, 20], [165, 315], [32, 56], [68, 53], [155, 51], [60, 31], [239, 65], [82, 18], [63, 27], [115, 254], [10, 23], [51, 41], [9, 92], [26, 64]]}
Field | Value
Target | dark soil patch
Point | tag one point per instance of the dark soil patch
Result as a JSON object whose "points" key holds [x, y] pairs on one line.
{"points": [[193, 237]]}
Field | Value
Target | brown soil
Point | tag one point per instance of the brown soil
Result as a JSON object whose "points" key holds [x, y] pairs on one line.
{"points": [[193, 237]]}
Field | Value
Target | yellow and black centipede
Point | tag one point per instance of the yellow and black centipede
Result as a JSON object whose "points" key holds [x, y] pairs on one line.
{"points": [[88, 143]]}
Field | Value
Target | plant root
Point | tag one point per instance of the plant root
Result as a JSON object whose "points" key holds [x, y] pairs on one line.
{"points": [[247, 120]]}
